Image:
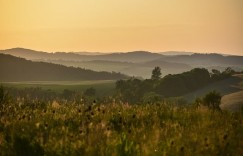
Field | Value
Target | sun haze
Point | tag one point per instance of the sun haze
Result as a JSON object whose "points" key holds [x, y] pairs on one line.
{"points": [[124, 25]]}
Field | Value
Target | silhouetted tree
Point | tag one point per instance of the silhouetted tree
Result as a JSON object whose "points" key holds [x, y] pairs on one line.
{"points": [[215, 71], [156, 73], [229, 71]]}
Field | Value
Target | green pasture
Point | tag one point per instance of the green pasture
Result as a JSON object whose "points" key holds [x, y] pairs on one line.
{"points": [[104, 87]]}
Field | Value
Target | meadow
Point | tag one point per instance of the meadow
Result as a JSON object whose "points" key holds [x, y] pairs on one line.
{"points": [[42, 120], [69, 128], [102, 87]]}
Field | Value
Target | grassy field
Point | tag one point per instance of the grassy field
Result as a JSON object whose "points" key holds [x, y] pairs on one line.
{"points": [[103, 88], [234, 101], [34, 127], [118, 129]]}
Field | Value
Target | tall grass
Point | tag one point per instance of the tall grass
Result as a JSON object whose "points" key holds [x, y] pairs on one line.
{"points": [[117, 129]]}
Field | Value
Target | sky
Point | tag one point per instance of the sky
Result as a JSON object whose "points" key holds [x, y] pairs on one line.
{"points": [[123, 25]]}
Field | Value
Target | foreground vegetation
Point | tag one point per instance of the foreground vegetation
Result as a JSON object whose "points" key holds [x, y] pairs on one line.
{"points": [[71, 128], [35, 121]]}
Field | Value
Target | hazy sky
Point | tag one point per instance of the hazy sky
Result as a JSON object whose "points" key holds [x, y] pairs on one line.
{"points": [[123, 25]]}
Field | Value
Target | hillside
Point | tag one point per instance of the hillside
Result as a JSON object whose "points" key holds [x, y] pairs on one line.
{"points": [[136, 63], [205, 60], [231, 89], [19, 69], [128, 68]]}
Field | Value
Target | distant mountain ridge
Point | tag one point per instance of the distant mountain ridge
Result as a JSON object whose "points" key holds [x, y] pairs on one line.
{"points": [[172, 53], [136, 63], [136, 56], [18, 69]]}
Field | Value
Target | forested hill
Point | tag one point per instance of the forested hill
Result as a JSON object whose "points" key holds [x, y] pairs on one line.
{"points": [[18, 69]]}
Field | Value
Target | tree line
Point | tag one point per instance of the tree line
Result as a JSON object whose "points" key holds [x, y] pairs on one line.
{"points": [[135, 90]]}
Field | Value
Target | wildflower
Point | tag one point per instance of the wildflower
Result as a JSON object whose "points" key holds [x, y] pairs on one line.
{"points": [[80, 131], [205, 139], [88, 109], [134, 116], [46, 125], [182, 149], [92, 113], [37, 125], [88, 117], [225, 137], [129, 131], [172, 143]]}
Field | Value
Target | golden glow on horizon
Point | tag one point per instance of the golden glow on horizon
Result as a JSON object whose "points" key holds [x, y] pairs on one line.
{"points": [[123, 25]]}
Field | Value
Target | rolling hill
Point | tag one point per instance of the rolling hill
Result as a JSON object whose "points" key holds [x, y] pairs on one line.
{"points": [[137, 63], [19, 69], [136, 56], [231, 89]]}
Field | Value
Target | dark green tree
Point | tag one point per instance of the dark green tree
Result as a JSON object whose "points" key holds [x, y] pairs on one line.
{"points": [[216, 72], [156, 73], [212, 100], [229, 71]]}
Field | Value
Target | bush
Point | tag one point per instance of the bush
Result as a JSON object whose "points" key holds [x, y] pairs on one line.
{"points": [[90, 92], [151, 98], [212, 100]]}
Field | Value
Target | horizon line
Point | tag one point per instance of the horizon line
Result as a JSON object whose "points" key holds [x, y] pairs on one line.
{"points": [[112, 52]]}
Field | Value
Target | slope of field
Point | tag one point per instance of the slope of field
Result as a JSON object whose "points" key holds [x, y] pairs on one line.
{"points": [[102, 87], [231, 89], [18, 69], [234, 101]]}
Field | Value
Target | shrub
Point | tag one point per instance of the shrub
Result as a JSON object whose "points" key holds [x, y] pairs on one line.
{"points": [[212, 100], [151, 97]]}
